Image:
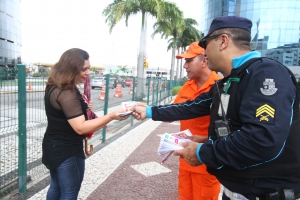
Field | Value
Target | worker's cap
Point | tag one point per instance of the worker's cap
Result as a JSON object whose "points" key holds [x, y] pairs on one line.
{"points": [[193, 50]]}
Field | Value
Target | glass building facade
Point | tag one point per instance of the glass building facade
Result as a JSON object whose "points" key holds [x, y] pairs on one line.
{"points": [[10, 33], [276, 25]]}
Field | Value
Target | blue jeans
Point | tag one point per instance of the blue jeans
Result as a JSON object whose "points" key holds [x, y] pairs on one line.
{"points": [[66, 179]]}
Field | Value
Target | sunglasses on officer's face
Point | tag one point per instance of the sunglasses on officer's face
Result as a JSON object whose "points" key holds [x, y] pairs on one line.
{"points": [[203, 43]]}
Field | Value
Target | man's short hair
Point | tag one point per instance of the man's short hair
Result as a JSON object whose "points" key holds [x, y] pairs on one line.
{"points": [[240, 37], [200, 57]]}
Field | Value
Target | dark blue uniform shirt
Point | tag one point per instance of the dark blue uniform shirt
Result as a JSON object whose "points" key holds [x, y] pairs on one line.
{"points": [[261, 106]]}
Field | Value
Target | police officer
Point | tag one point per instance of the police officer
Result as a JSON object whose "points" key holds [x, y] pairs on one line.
{"points": [[253, 147]]}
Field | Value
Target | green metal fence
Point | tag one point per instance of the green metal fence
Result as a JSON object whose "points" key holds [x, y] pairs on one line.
{"points": [[8, 132], [23, 122]]}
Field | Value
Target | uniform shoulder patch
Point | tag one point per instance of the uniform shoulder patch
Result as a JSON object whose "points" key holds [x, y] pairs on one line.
{"points": [[265, 113], [268, 87]]}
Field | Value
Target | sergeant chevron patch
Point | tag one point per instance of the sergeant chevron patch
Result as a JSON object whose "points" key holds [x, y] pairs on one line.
{"points": [[265, 113]]}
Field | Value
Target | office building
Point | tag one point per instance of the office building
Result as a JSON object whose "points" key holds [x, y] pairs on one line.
{"points": [[276, 25], [10, 33]]}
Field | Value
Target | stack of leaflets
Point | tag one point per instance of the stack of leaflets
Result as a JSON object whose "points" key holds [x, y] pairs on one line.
{"points": [[126, 106], [172, 141]]}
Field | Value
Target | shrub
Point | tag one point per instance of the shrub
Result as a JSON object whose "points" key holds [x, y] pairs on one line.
{"points": [[37, 74], [175, 90], [184, 79]]}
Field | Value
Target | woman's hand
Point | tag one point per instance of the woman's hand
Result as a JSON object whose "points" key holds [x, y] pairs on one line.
{"points": [[83, 126], [115, 115]]}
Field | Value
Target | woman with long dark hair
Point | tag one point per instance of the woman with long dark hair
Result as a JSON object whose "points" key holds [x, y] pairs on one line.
{"points": [[66, 110]]}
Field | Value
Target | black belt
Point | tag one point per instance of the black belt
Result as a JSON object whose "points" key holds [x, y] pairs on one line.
{"points": [[281, 194], [276, 194]]}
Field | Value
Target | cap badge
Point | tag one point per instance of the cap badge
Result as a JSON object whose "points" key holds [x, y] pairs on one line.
{"points": [[268, 87]]}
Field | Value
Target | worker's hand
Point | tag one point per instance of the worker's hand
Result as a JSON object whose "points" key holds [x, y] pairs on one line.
{"points": [[139, 111], [189, 153]]}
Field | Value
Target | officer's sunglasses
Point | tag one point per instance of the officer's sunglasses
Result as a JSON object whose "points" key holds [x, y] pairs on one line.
{"points": [[203, 43]]}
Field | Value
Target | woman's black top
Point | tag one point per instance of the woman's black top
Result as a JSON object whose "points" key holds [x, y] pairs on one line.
{"points": [[60, 140]]}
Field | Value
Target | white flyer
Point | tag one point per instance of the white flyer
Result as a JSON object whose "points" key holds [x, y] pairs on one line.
{"points": [[172, 141], [129, 104], [124, 113], [126, 106]]}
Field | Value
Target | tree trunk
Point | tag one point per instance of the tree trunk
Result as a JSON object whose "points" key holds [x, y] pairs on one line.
{"points": [[181, 68], [172, 64], [140, 65], [177, 66], [181, 63]]}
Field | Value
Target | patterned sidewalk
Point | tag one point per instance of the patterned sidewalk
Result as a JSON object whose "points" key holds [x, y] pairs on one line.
{"points": [[141, 176], [128, 167]]}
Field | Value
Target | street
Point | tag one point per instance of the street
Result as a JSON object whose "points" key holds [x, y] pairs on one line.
{"points": [[35, 99]]}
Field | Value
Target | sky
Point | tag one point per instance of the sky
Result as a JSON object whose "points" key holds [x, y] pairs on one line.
{"points": [[50, 27]]}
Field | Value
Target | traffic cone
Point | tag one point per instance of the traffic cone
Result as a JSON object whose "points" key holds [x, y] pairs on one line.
{"points": [[118, 92], [102, 94], [131, 87], [29, 86]]}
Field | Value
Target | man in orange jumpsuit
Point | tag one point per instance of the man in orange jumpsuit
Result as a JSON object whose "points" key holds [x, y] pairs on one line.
{"points": [[195, 183]]}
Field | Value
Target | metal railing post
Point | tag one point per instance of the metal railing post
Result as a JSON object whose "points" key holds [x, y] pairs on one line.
{"points": [[148, 84], [153, 88], [160, 91], [107, 77], [22, 166], [133, 91], [157, 88], [1, 79]]}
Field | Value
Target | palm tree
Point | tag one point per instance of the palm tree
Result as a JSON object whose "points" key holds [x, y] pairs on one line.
{"points": [[123, 68], [114, 74], [173, 44], [94, 69], [190, 33], [170, 27], [119, 9]]}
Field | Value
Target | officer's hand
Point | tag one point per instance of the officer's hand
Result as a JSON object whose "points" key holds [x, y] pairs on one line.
{"points": [[198, 138], [139, 112], [189, 153], [141, 104]]}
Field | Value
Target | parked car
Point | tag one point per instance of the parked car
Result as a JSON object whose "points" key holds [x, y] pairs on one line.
{"points": [[128, 82], [97, 82], [118, 80], [112, 80]]}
